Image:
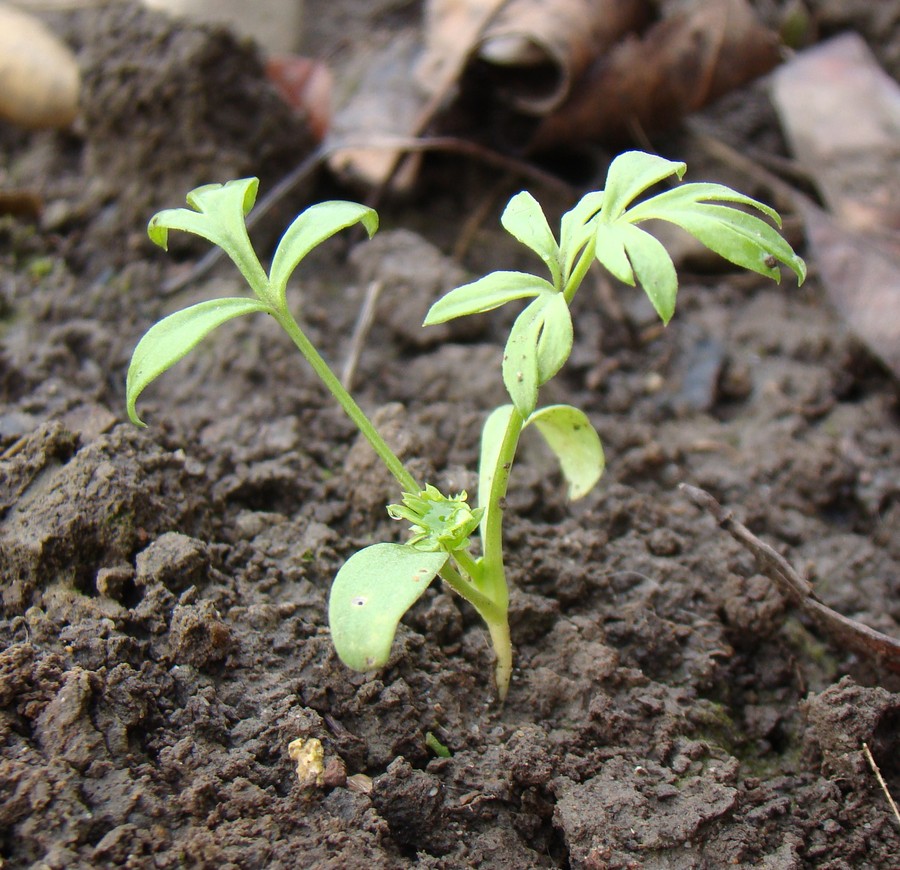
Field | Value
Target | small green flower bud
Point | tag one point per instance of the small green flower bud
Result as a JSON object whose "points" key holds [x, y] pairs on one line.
{"points": [[437, 522]]}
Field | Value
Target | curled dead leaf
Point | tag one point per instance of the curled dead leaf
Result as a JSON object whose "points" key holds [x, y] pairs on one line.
{"points": [[534, 55], [39, 78], [681, 64]]}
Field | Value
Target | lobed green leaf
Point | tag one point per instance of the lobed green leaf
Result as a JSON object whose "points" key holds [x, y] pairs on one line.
{"points": [[573, 439], [217, 216], [309, 229], [486, 294], [609, 249], [740, 237], [174, 337], [370, 594], [654, 270], [524, 219], [629, 175]]}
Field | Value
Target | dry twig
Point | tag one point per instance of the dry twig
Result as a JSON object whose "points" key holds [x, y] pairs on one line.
{"points": [[850, 633], [360, 332], [881, 782]]}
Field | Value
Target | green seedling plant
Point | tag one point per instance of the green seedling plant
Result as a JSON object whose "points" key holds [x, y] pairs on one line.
{"points": [[378, 584]]}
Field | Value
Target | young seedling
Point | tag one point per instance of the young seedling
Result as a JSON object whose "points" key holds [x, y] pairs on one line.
{"points": [[378, 584]]}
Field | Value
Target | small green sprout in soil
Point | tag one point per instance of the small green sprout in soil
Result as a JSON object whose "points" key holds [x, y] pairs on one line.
{"points": [[377, 585]]}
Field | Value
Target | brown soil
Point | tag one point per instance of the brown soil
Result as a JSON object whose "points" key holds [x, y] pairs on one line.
{"points": [[163, 591]]}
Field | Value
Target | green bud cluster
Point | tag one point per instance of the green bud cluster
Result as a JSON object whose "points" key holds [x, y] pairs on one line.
{"points": [[438, 523]]}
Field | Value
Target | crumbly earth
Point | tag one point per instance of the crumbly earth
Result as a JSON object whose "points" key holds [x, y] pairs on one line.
{"points": [[163, 591]]}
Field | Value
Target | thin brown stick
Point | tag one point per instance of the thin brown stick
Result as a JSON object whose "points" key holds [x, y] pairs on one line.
{"points": [[881, 782], [850, 633], [360, 331], [476, 219]]}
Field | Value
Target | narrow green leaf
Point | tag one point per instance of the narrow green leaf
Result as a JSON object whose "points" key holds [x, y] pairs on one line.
{"points": [[609, 249], [491, 441], [653, 269], [556, 337], [629, 175], [174, 337], [634, 256], [524, 219], [520, 357], [370, 594], [217, 216], [309, 229], [686, 195], [740, 237], [573, 439], [485, 294]]}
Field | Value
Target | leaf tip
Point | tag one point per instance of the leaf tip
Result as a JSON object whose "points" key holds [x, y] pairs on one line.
{"points": [[133, 414], [158, 233], [370, 222]]}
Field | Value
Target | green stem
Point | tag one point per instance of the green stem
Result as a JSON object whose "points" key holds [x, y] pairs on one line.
{"points": [[502, 644], [495, 616], [576, 276], [468, 565], [486, 608], [346, 401], [493, 573]]}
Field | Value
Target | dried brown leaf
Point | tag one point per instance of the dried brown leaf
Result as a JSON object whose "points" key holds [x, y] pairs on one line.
{"points": [[534, 51], [681, 64], [840, 112]]}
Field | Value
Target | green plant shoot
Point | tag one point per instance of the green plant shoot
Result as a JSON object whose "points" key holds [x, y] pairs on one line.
{"points": [[377, 585]]}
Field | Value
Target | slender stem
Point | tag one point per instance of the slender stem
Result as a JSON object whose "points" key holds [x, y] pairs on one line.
{"points": [[486, 608], [502, 644], [581, 267], [468, 565], [495, 616], [493, 574], [346, 401]]}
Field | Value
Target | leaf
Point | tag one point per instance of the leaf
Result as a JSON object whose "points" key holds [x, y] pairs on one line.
{"points": [[629, 175], [609, 249], [174, 337], [492, 435], [574, 232], [524, 219], [486, 294], [520, 357], [634, 256], [309, 229], [217, 216], [738, 236], [573, 439], [555, 342], [370, 594]]}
